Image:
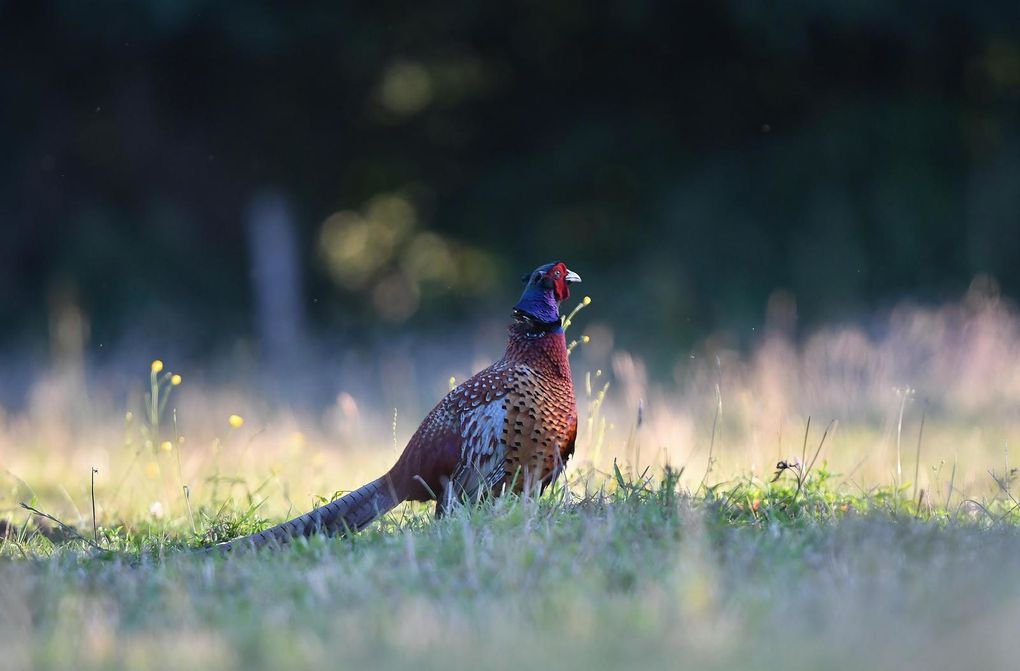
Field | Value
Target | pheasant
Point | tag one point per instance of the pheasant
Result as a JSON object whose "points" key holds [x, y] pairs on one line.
{"points": [[510, 427]]}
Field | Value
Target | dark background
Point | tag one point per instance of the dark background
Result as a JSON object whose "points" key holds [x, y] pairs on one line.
{"points": [[688, 159]]}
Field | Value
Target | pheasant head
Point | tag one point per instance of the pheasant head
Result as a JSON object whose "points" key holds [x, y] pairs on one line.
{"points": [[544, 289]]}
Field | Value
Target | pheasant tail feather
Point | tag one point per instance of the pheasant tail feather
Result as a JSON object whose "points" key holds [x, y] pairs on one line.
{"points": [[351, 512]]}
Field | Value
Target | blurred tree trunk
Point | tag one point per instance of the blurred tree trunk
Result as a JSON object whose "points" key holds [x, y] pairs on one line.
{"points": [[63, 391], [277, 289]]}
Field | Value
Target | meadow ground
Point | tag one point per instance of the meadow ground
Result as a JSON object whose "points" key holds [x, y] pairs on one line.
{"points": [[891, 539], [760, 578]]}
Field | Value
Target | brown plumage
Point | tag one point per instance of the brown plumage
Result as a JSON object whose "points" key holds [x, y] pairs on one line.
{"points": [[510, 427]]}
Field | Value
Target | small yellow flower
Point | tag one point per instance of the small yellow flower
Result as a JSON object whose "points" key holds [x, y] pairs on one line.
{"points": [[585, 339], [587, 300], [166, 446], [157, 366], [453, 383], [175, 379], [236, 421]]}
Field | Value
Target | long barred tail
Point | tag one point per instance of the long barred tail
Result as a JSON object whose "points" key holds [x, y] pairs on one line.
{"points": [[351, 512]]}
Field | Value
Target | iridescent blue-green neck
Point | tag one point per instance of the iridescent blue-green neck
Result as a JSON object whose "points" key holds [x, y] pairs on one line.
{"points": [[539, 302]]}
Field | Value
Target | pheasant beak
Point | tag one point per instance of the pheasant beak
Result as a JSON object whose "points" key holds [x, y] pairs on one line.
{"points": [[572, 277]]}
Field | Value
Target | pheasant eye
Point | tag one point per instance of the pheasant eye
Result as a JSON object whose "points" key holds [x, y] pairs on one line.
{"points": [[557, 274]]}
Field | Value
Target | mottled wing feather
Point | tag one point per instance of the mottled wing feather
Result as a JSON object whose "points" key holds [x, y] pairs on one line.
{"points": [[481, 449], [480, 405]]}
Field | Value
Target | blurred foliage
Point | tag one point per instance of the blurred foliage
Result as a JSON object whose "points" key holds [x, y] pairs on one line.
{"points": [[688, 159]]}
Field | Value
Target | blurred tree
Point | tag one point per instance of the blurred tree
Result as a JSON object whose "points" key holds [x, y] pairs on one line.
{"points": [[688, 158]]}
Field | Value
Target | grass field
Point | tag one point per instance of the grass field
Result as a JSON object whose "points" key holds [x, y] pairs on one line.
{"points": [[644, 576], [891, 539]]}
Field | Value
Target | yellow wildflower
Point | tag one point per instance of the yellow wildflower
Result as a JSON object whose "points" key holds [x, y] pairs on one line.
{"points": [[175, 379], [587, 300], [157, 366], [166, 446], [236, 421]]}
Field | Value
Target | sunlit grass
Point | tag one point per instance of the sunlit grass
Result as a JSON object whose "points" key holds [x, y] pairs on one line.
{"points": [[804, 508], [623, 571]]}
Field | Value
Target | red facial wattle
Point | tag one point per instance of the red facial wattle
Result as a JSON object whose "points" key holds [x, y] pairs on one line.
{"points": [[557, 276]]}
